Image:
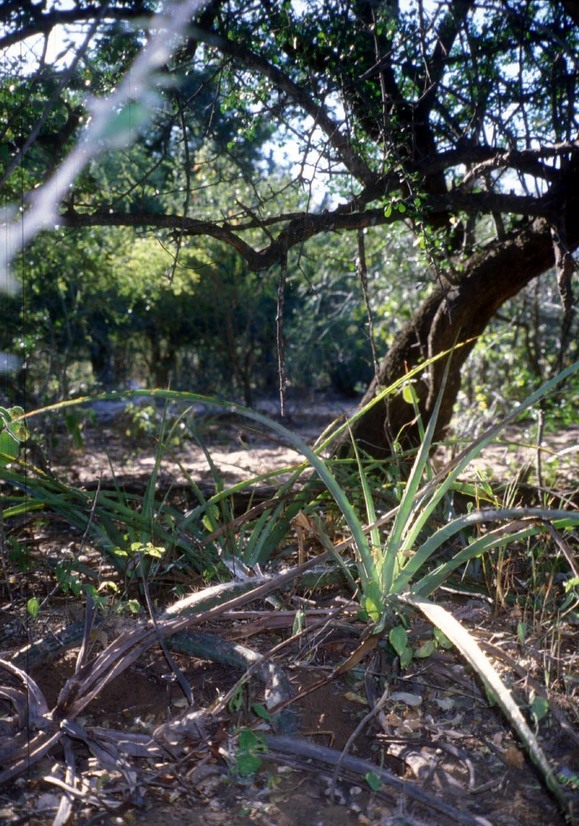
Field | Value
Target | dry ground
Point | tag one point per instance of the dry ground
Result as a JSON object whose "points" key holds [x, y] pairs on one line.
{"points": [[437, 729]]}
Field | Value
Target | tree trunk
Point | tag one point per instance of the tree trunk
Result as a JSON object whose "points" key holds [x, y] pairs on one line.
{"points": [[453, 313]]}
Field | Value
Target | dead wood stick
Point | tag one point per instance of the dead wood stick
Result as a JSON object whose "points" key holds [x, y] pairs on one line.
{"points": [[283, 746]]}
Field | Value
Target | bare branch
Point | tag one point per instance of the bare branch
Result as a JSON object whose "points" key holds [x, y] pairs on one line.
{"points": [[487, 158], [100, 133], [565, 267], [302, 226], [45, 23], [353, 162]]}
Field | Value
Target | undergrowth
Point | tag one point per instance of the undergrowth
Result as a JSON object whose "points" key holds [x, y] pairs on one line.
{"points": [[397, 545]]}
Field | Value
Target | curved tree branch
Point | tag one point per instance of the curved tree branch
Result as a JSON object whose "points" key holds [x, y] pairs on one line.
{"points": [[352, 160], [299, 227], [45, 22], [486, 158]]}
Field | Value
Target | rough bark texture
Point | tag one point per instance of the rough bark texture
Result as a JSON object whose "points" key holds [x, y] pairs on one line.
{"points": [[451, 314]]}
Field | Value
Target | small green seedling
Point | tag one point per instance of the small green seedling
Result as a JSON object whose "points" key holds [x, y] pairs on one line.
{"points": [[250, 745]]}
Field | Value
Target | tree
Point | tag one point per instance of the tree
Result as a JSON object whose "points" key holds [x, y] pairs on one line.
{"points": [[457, 118]]}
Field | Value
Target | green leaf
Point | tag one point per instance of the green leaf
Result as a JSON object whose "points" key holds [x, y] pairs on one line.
{"points": [[372, 601], [299, 622], [568, 779], [373, 781], [425, 650], [108, 585], [155, 551], [398, 639], [147, 549], [9, 447], [539, 708], [250, 743], [18, 431], [442, 639], [210, 519], [261, 711], [406, 657], [236, 703], [247, 764], [33, 607], [247, 739], [409, 394]]}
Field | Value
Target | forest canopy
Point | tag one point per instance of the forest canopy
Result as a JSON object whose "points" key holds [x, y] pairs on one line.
{"points": [[377, 177]]}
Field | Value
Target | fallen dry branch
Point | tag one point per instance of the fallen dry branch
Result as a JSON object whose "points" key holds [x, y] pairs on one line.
{"points": [[22, 750], [326, 759]]}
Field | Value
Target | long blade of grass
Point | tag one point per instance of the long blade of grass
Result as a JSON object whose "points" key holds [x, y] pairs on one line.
{"points": [[397, 385], [197, 512], [375, 539], [476, 658], [116, 517], [443, 481], [267, 532], [489, 542], [410, 502], [438, 487], [334, 488], [416, 563], [318, 464], [473, 450]]}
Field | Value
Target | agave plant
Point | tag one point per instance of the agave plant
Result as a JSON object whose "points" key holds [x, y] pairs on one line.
{"points": [[399, 569]]}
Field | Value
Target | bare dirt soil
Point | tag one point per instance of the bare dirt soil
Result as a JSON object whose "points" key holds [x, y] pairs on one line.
{"points": [[240, 450], [437, 729]]}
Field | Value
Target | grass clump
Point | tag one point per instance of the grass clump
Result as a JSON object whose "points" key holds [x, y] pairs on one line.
{"points": [[394, 541]]}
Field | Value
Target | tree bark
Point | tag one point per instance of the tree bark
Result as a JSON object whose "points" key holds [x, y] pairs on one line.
{"points": [[453, 313]]}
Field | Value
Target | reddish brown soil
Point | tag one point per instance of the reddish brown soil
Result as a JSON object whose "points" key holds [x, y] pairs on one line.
{"points": [[438, 729]]}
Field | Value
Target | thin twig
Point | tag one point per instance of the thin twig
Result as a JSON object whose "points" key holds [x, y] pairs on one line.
{"points": [[279, 336], [180, 677], [363, 276], [325, 620], [361, 725]]}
